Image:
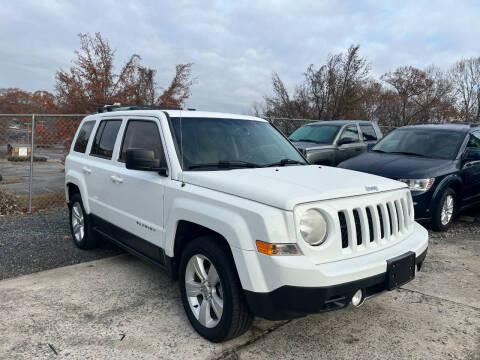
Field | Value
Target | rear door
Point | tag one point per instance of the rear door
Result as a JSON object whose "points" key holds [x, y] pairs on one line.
{"points": [[354, 148], [99, 163], [472, 172], [136, 198]]}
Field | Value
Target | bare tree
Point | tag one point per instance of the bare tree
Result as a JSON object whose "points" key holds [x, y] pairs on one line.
{"points": [[179, 89], [92, 80], [465, 78], [333, 91], [423, 96]]}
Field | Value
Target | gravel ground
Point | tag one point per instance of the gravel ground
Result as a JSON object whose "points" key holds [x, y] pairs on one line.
{"points": [[32, 243], [42, 241]]}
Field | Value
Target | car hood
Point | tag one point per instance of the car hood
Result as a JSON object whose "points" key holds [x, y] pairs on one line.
{"points": [[309, 145], [285, 187], [398, 166]]}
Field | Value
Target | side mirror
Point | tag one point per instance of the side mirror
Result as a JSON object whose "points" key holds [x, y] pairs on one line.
{"points": [[345, 141], [471, 155], [144, 160]]}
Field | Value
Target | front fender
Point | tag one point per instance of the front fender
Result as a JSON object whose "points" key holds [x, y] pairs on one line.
{"points": [[446, 182], [223, 221], [74, 177]]}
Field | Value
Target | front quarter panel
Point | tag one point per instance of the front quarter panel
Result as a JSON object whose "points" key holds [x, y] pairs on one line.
{"points": [[240, 221]]}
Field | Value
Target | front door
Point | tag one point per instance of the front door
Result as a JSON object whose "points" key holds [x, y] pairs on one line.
{"points": [[137, 197], [353, 148], [472, 172]]}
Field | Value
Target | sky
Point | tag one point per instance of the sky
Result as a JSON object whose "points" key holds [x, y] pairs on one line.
{"points": [[234, 45]]}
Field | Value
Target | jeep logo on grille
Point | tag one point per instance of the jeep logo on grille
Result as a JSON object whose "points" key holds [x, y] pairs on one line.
{"points": [[371, 188]]}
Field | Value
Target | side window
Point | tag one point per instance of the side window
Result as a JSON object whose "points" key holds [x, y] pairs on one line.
{"points": [[350, 132], [474, 141], [142, 134], [105, 138], [368, 132], [83, 136]]}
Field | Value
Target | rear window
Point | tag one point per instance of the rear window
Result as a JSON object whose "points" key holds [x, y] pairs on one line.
{"points": [[83, 136], [368, 132], [105, 138]]}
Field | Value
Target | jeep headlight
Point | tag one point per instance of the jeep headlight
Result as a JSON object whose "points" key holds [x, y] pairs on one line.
{"points": [[313, 227], [418, 184]]}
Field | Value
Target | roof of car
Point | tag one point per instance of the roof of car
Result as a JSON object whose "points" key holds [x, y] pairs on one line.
{"points": [[179, 113], [452, 127], [340, 122]]}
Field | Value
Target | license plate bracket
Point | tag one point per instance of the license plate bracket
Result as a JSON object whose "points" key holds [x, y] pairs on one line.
{"points": [[400, 270]]}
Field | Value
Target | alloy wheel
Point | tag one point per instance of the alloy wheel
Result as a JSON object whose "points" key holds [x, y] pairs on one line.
{"points": [[204, 290], [78, 222], [447, 210]]}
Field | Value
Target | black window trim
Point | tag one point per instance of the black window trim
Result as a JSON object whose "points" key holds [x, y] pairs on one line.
{"points": [[89, 137], [98, 128], [373, 128], [162, 142]]}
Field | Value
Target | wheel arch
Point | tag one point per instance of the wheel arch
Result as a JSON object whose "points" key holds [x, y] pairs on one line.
{"points": [[186, 232], [452, 181], [76, 184]]}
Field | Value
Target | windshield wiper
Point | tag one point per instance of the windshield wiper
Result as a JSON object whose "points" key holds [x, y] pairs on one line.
{"points": [[406, 153], [379, 151], [284, 162], [226, 165], [307, 140]]}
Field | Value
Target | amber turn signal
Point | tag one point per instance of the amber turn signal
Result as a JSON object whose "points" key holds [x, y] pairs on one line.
{"points": [[277, 249]]}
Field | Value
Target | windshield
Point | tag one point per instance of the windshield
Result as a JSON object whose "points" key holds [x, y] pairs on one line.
{"points": [[322, 134], [213, 143], [440, 144]]}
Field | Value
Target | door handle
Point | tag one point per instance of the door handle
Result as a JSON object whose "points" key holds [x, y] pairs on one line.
{"points": [[87, 170], [115, 179]]}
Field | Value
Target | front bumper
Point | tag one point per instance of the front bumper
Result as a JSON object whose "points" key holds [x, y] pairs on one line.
{"points": [[289, 302], [422, 203]]}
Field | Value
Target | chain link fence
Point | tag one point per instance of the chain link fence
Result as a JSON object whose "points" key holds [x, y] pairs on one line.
{"points": [[32, 153]]}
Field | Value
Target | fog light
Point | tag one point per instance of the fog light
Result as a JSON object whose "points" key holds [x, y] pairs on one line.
{"points": [[357, 298]]}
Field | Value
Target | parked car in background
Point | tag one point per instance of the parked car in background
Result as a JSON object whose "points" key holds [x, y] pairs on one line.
{"points": [[440, 164], [331, 142]]}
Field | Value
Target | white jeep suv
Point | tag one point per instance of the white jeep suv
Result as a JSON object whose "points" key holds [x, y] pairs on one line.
{"points": [[226, 204]]}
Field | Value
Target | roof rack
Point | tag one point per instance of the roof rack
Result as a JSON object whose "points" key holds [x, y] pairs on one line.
{"points": [[108, 107]]}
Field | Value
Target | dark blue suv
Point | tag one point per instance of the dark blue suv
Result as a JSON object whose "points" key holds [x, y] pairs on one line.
{"points": [[440, 164]]}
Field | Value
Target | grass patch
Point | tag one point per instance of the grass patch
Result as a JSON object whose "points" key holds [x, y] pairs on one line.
{"points": [[44, 201], [8, 203], [16, 204]]}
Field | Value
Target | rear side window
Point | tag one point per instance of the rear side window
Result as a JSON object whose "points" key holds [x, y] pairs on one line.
{"points": [[142, 134], [105, 137], [368, 132], [83, 136]]}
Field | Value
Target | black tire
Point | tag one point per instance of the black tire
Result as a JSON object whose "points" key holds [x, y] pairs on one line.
{"points": [[436, 222], [89, 239], [236, 317]]}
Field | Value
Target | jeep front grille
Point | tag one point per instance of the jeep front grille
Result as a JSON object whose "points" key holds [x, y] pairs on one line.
{"points": [[376, 223]]}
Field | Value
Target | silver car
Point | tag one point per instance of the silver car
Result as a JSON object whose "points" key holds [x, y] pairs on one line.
{"points": [[331, 142]]}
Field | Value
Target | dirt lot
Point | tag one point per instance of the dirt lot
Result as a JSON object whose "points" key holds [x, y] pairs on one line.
{"points": [[122, 308]]}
